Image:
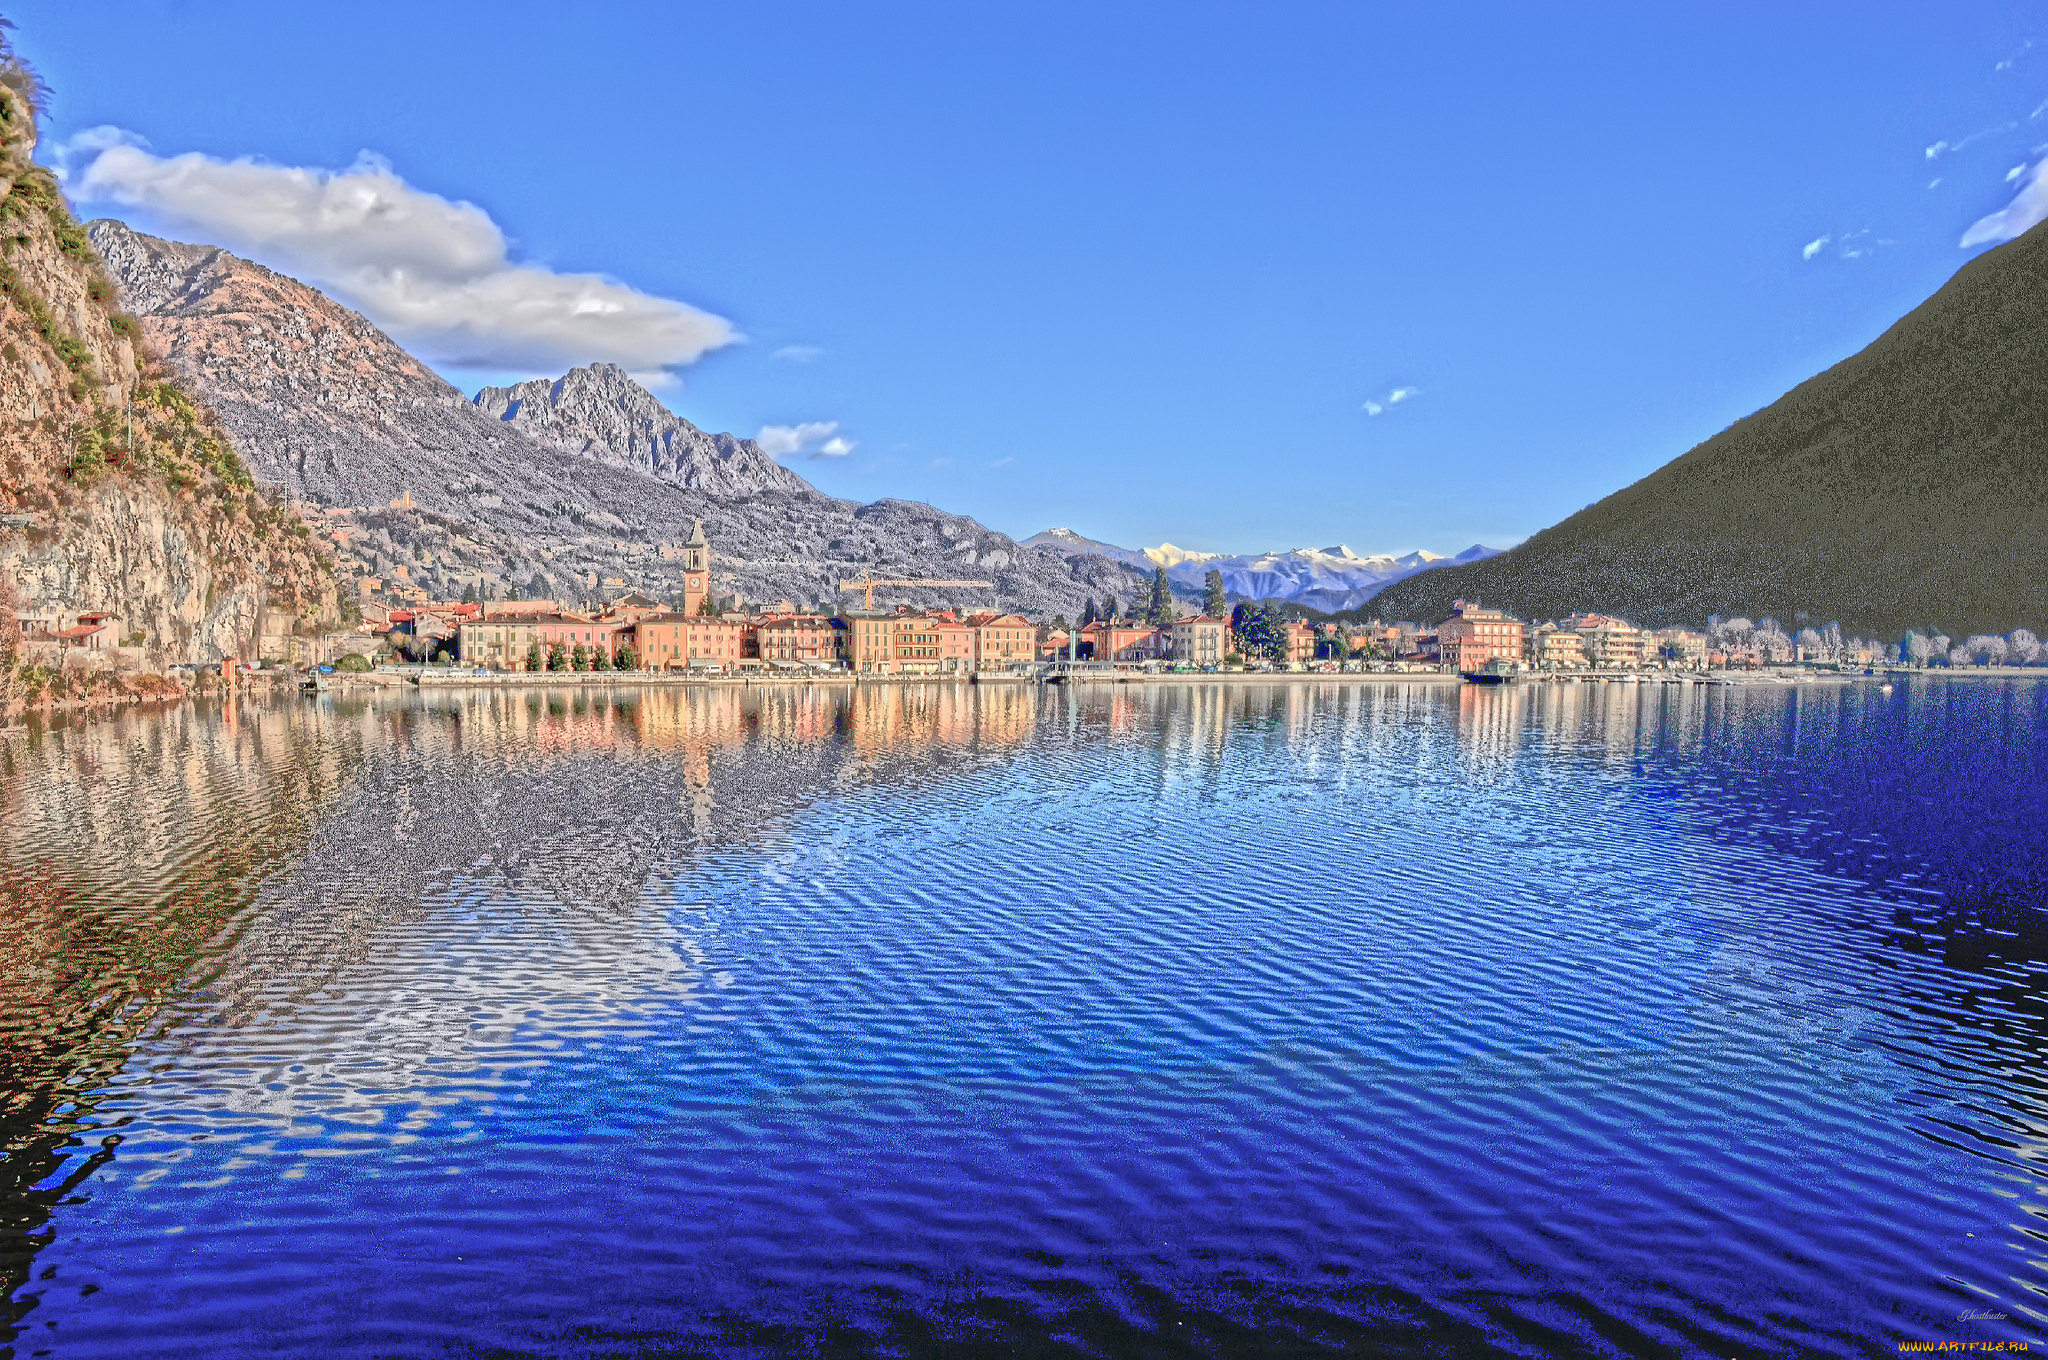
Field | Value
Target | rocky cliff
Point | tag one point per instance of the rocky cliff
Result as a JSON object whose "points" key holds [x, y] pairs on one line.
{"points": [[585, 490], [119, 493], [600, 412]]}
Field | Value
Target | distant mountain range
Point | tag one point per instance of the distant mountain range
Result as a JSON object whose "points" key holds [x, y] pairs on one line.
{"points": [[1906, 487], [1320, 578], [576, 487]]}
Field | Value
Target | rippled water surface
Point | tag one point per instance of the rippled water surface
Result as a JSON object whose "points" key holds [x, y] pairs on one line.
{"points": [[1326, 1018]]}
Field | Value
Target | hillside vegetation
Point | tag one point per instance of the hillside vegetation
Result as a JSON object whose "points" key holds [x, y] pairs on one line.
{"points": [[122, 493], [1905, 487]]}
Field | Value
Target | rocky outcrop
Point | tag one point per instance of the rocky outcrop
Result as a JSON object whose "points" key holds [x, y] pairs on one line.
{"points": [[578, 497], [600, 412], [123, 548], [119, 494]]}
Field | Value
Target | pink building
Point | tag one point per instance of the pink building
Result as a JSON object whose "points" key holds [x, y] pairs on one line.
{"points": [[1473, 636]]}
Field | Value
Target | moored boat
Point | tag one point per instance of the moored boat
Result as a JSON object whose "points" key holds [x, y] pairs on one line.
{"points": [[1494, 672]]}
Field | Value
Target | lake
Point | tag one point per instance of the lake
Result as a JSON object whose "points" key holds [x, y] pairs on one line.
{"points": [[1325, 1018]]}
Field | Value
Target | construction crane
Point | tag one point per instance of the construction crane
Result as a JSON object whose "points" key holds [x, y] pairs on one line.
{"points": [[868, 582]]}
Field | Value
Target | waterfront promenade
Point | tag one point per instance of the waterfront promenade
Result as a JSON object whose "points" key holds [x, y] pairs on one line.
{"points": [[436, 677]]}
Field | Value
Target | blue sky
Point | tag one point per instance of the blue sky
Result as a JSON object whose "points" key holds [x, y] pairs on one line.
{"points": [[1143, 270]]}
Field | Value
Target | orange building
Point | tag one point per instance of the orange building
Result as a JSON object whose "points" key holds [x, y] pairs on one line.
{"points": [[1003, 640], [902, 643], [1126, 642], [1473, 636], [682, 641]]}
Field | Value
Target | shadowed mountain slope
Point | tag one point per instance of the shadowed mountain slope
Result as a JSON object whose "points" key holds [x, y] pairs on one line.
{"points": [[575, 498], [1907, 485]]}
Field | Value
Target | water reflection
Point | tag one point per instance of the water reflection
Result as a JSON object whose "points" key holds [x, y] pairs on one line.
{"points": [[747, 969]]}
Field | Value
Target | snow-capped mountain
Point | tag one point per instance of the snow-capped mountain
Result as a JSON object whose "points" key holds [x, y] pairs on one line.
{"points": [[1068, 542], [1322, 578]]}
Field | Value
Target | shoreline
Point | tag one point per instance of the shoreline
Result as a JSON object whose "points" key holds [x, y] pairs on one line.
{"points": [[1685, 679]]}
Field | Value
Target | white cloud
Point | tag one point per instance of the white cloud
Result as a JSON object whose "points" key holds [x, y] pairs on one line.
{"points": [[780, 441], [799, 354], [1817, 245], [437, 273], [1934, 182], [1004, 461], [1948, 148], [1380, 405], [836, 447], [2026, 46], [2028, 206], [2015, 172]]}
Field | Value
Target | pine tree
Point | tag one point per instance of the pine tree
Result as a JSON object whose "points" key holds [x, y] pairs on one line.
{"points": [[707, 609], [579, 660], [1109, 609], [558, 658], [1059, 623], [600, 658], [627, 659], [1088, 612], [1214, 602], [533, 657], [469, 593], [1159, 611]]}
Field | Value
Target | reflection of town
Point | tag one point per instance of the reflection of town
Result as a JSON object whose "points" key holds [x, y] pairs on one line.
{"points": [[330, 838]]}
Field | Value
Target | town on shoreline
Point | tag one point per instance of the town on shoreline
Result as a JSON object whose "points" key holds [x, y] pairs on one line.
{"points": [[634, 637]]}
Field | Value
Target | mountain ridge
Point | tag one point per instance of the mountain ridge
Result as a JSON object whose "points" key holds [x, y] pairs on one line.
{"points": [[420, 483], [598, 411], [1903, 487]]}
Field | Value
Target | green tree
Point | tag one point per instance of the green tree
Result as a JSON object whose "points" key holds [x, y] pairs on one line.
{"points": [[600, 659], [1276, 630], [1108, 613], [1059, 623], [533, 657], [1215, 603], [579, 660], [626, 659], [1259, 629], [1160, 611], [558, 657], [1088, 614], [707, 609], [353, 662], [469, 593]]}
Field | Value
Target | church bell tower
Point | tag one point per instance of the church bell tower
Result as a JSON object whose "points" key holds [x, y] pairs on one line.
{"points": [[696, 571]]}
